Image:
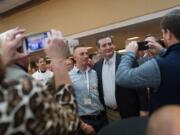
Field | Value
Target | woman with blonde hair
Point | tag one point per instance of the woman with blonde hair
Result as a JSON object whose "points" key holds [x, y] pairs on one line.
{"points": [[28, 107]]}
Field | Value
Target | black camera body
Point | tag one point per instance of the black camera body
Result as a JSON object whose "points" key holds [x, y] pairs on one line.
{"points": [[143, 45]]}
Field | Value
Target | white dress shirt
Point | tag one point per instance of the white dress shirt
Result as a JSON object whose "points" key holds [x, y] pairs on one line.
{"points": [[108, 80]]}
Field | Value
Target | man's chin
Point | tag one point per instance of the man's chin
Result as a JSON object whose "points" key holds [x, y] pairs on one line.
{"points": [[109, 55], [85, 64], [43, 69]]}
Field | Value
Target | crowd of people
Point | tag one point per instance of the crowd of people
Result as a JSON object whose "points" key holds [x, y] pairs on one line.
{"points": [[79, 97]]}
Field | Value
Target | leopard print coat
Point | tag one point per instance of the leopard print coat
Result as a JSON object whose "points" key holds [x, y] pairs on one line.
{"points": [[29, 108]]}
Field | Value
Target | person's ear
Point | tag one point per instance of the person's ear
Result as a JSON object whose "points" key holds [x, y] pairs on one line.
{"points": [[169, 35]]}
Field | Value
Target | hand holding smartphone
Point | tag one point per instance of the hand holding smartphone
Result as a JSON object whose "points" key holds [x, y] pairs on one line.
{"points": [[143, 45], [36, 42]]}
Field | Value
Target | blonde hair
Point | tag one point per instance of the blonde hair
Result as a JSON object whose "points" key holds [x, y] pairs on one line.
{"points": [[4, 37]]}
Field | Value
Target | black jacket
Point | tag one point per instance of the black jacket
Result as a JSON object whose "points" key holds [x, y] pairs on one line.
{"points": [[129, 101], [169, 89]]}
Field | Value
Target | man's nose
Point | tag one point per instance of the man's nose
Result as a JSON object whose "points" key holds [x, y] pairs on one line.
{"points": [[108, 46], [86, 55]]}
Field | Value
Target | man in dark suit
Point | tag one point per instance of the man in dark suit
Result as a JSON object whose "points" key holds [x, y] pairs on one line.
{"points": [[119, 102]]}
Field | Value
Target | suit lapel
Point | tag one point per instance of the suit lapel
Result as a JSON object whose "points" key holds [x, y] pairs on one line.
{"points": [[118, 60], [100, 68]]}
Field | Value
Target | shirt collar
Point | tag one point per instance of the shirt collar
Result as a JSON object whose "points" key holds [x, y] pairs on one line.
{"points": [[111, 60], [77, 70]]}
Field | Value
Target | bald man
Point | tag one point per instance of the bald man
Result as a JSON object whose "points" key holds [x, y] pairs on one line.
{"points": [[85, 84], [165, 121]]}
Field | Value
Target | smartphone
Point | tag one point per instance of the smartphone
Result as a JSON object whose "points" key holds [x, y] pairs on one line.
{"points": [[143, 45], [35, 42]]}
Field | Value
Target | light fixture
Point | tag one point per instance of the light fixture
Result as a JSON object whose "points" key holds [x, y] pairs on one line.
{"points": [[89, 48], [132, 38], [121, 51]]}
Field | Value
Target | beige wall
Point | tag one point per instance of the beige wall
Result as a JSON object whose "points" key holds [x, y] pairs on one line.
{"points": [[74, 16]]}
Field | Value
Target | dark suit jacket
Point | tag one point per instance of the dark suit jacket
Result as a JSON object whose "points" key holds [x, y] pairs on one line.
{"points": [[130, 101]]}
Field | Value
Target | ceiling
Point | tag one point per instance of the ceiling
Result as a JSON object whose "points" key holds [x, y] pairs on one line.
{"points": [[120, 35], [6, 5], [10, 7]]}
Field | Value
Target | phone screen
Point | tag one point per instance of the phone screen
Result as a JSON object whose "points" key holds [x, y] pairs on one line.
{"points": [[35, 42]]}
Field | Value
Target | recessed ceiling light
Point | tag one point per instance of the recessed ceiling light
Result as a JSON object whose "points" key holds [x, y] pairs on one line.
{"points": [[133, 38]]}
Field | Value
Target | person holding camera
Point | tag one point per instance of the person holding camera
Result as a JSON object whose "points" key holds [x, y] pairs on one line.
{"points": [[19, 67], [26, 105], [162, 72], [154, 47]]}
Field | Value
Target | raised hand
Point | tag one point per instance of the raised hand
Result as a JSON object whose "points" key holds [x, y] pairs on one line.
{"points": [[56, 47], [13, 41]]}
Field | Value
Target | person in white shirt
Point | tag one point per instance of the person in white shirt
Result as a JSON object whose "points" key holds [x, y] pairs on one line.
{"points": [[42, 74], [119, 102]]}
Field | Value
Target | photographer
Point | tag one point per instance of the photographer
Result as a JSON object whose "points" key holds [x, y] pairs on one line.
{"points": [[27, 107], [19, 61], [161, 73]]}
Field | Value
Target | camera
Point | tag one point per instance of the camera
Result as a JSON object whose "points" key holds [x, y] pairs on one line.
{"points": [[143, 45], [35, 42]]}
